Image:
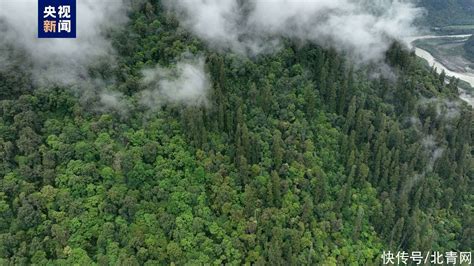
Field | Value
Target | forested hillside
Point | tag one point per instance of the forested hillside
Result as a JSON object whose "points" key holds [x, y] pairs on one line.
{"points": [[448, 12], [299, 158]]}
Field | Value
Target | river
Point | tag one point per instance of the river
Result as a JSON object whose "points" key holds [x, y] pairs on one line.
{"points": [[466, 76]]}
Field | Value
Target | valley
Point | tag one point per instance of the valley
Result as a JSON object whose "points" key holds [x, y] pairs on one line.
{"points": [[445, 53]]}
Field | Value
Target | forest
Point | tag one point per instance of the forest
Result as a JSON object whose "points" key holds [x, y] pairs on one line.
{"points": [[298, 158]]}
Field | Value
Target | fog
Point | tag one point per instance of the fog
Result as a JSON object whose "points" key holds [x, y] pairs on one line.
{"points": [[186, 83], [60, 61], [361, 29]]}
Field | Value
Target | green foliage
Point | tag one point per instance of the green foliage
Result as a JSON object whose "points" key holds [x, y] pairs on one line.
{"points": [[298, 160]]}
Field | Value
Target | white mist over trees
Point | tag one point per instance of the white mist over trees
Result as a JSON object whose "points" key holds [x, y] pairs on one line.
{"points": [[362, 29], [297, 157], [187, 83], [61, 61], [66, 62]]}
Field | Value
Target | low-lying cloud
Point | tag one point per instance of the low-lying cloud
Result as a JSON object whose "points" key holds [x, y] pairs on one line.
{"points": [[187, 83], [360, 28], [434, 150], [60, 61], [67, 62]]}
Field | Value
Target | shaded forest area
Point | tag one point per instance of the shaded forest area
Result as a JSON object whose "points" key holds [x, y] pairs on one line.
{"points": [[298, 159]]}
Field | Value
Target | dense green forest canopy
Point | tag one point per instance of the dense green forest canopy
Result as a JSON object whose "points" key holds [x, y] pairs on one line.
{"points": [[298, 159], [448, 12]]}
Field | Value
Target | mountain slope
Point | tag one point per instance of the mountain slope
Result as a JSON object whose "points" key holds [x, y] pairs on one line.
{"points": [[449, 12], [298, 159]]}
